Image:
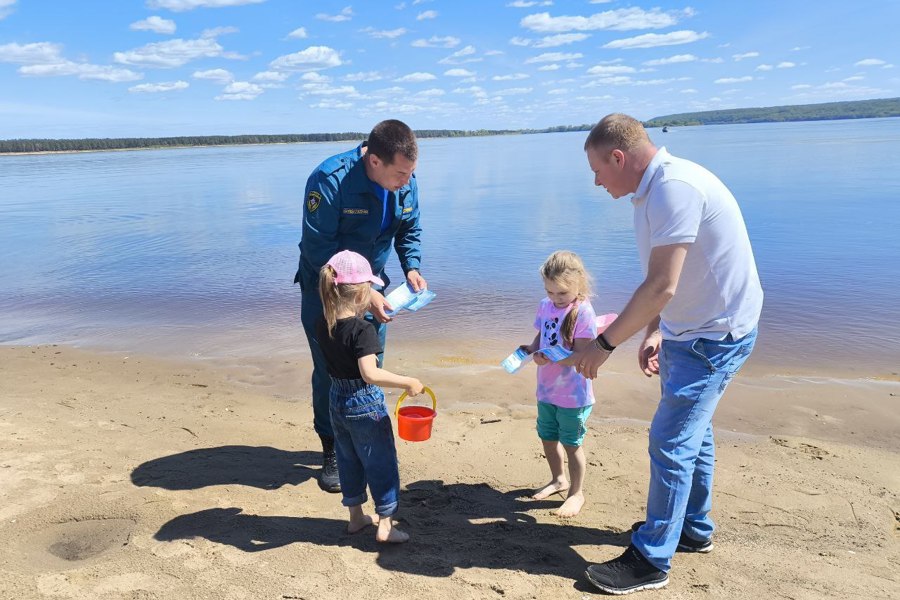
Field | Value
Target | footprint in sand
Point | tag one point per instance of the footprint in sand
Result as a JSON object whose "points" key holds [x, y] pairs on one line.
{"points": [[74, 541]]}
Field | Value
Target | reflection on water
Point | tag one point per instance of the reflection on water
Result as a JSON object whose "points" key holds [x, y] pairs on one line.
{"points": [[191, 252]]}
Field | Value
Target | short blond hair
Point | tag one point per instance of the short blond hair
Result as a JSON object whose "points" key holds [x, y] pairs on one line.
{"points": [[617, 131]]}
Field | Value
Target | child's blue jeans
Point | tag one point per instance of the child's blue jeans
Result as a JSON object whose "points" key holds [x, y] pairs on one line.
{"points": [[364, 444], [693, 376]]}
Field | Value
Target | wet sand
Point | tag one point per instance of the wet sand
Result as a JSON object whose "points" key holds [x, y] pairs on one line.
{"points": [[126, 476]]}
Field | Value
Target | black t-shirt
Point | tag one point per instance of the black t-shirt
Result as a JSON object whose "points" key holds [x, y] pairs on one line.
{"points": [[353, 338]]}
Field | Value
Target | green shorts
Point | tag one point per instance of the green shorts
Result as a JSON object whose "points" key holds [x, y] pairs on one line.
{"points": [[565, 425]]}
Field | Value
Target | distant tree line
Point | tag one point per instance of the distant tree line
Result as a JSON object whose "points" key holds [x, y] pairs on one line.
{"points": [[98, 144], [859, 109]]}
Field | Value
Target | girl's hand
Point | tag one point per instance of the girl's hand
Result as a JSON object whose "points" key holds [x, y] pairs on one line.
{"points": [[540, 359], [414, 387]]}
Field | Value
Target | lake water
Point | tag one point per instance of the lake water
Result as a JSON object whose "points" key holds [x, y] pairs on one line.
{"points": [[190, 253]]}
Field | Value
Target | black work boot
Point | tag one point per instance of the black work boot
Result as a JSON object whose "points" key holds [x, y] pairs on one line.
{"points": [[328, 478]]}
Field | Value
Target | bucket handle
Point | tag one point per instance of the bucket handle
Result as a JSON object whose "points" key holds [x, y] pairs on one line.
{"points": [[404, 395]]}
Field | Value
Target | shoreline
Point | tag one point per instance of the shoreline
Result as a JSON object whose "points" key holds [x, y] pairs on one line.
{"points": [[123, 476]]}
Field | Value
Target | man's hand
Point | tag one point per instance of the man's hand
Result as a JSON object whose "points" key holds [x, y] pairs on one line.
{"points": [[648, 353], [416, 281], [590, 361], [378, 305]]}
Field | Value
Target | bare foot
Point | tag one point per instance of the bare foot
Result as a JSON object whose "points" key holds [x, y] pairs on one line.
{"points": [[388, 534], [571, 507], [360, 523], [554, 487]]}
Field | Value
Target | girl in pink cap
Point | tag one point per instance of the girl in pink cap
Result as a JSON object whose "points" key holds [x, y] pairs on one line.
{"points": [[364, 438]]}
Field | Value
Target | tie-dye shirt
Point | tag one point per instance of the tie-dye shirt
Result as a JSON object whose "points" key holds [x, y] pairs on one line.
{"points": [[556, 384]]}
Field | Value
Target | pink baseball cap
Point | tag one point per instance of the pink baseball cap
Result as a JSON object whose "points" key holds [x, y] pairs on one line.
{"points": [[352, 268]]}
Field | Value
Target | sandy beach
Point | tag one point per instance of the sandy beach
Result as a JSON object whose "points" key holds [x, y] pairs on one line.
{"points": [[124, 476]]}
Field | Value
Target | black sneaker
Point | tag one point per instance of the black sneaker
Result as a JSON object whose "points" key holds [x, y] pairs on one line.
{"points": [[631, 572], [685, 543], [328, 478]]}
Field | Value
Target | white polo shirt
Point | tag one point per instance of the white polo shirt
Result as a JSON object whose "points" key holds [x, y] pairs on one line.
{"points": [[680, 202]]}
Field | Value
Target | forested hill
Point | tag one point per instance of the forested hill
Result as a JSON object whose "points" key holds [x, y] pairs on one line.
{"points": [[97, 144], [860, 109]]}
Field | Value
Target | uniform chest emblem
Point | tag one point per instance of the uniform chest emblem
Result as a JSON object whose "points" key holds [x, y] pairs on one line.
{"points": [[313, 201]]}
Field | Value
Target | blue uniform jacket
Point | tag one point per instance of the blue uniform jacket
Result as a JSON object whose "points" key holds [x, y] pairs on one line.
{"points": [[341, 212]]}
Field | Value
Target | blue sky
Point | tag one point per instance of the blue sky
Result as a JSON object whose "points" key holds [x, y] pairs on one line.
{"points": [[111, 68]]}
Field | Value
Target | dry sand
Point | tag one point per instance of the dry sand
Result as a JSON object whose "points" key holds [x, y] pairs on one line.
{"points": [[131, 477]]}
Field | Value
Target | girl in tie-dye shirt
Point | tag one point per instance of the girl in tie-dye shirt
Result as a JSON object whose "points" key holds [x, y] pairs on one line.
{"points": [[565, 398]]}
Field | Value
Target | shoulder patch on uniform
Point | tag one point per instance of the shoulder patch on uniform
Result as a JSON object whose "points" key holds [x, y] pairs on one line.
{"points": [[313, 201]]}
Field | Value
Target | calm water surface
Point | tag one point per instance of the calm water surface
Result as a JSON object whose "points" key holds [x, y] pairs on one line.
{"points": [[191, 252]]}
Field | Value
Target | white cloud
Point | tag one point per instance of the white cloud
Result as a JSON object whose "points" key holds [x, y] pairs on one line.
{"points": [[437, 42], [312, 59], [514, 91], [653, 40], [764, 67], [431, 93], [785, 65], [44, 59], [417, 77], [315, 77], [734, 79], [154, 24], [240, 90], [323, 89], [298, 34], [183, 5], [622, 19], [6, 8], [153, 88], [332, 105], [428, 14], [169, 54], [801, 86], [688, 91], [609, 70], [561, 39], [81, 70], [217, 31], [345, 15], [518, 41], [459, 73], [678, 58], [513, 77], [553, 67], [474, 90], [529, 3], [870, 62], [548, 57], [854, 78], [744, 55], [270, 76], [364, 76], [558, 92], [384, 33], [459, 57], [39, 52], [217, 75]]}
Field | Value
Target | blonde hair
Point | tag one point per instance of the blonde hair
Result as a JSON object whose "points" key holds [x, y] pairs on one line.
{"points": [[566, 269], [339, 297], [617, 131]]}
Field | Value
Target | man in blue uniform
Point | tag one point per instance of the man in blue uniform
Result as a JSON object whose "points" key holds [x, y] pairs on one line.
{"points": [[362, 200]]}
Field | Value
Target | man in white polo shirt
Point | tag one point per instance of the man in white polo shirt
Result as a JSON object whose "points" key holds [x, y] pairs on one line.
{"points": [[699, 305]]}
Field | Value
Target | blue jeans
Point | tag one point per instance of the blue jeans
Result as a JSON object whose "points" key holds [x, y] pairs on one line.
{"points": [[693, 376], [310, 312], [364, 444]]}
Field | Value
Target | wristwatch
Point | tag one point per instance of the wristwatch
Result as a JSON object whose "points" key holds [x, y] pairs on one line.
{"points": [[601, 344]]}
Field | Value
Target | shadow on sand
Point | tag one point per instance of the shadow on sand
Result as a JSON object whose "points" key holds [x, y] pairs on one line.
{"points": [[255, 466], [452, 526]]}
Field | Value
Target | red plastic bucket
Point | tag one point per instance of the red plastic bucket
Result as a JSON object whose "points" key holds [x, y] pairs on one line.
{"points": [[414, 422]]}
